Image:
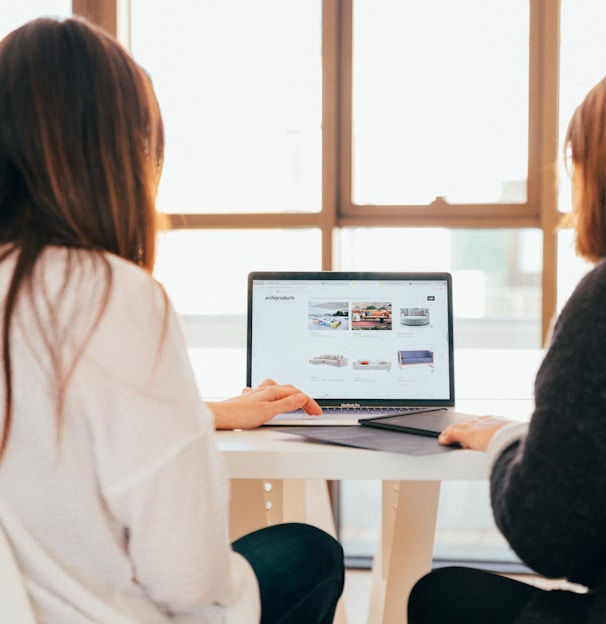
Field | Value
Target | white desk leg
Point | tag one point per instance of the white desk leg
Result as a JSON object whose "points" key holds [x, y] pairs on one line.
{"points": [[256, 503], [247, 510], [308, 501], [409, 516]]}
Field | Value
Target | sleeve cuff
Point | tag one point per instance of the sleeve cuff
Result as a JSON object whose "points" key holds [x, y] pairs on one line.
{"points": [[502, 439]]}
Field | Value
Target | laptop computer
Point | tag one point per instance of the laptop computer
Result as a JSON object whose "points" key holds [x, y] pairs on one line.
{"points": [[362, 344]]}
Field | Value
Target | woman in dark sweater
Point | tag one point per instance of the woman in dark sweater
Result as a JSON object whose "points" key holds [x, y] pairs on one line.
{"points": [[548, 477]]}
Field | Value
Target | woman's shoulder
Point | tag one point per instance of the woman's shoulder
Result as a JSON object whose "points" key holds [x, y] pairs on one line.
{"points": [[80, 272], [80, 284], [590, 293], [135, 296], [594, 279], [128, 275], [580, 329]]}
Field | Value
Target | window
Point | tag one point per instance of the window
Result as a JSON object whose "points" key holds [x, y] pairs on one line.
{"points": [[496, 275], [15, 14], [240, 86], [440, 103], [256, 109], [205, 274]]}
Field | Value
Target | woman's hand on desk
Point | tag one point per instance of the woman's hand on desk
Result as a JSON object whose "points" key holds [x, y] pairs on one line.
{"points": [[473, 434], [255, 406]]}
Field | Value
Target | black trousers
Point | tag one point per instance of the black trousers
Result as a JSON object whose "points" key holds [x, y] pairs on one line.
{"points": [[300, 570], [467, 596]]}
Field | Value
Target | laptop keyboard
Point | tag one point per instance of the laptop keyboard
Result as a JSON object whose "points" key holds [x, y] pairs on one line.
{"points": [[370, 411]]}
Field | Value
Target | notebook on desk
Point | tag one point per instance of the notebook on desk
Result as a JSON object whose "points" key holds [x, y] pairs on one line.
{"points": [[362, 345]]}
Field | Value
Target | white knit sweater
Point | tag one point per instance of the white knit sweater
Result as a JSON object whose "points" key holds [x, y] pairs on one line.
{"points": [[120, 514]]}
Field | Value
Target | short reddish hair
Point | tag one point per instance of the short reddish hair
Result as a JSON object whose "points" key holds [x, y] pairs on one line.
{"points": [[585, 150]]}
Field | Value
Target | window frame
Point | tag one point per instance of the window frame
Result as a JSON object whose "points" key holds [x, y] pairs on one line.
{"points": [[338, 210]]}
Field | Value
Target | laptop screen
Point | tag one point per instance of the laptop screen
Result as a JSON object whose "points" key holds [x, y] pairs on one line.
{"points": [[360, 338]]}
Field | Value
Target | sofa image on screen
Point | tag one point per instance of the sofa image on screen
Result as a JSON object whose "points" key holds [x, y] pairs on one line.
{"points": [[419, 356], [332, 360], [367, 316], [414, 316], [372, 365]]}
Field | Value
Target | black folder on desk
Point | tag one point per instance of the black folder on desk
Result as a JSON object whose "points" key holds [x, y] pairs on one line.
{"points": [[429, 424], [416, 433], [370, 438]]}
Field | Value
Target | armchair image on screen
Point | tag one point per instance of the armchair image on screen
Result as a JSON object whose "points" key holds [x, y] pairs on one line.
{"points": [[414, 316]]}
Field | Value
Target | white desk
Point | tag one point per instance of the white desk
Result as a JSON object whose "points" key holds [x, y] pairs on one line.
{"points": [[279, 477]]}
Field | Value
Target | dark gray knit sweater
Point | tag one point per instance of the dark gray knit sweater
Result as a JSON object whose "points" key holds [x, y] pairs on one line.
{"points": [[549, 492]]}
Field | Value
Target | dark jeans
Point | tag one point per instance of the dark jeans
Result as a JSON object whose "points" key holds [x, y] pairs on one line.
{"points": [[300, 570], [468, 596]]}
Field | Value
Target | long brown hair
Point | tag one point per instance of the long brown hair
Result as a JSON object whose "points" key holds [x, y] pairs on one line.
{"points": [[81, 149], [585, 153]]}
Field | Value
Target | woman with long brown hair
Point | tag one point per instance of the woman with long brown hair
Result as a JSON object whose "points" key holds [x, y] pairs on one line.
{"points": [[112, 491]]}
